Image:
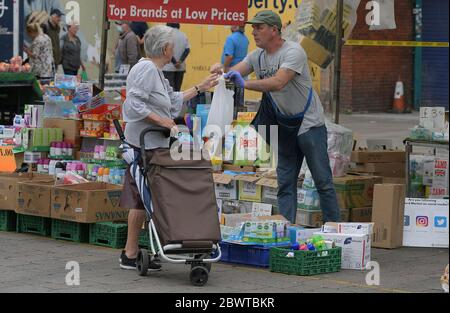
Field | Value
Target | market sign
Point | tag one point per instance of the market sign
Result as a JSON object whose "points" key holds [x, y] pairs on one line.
{"points": [[211, 12], [7, 160]]}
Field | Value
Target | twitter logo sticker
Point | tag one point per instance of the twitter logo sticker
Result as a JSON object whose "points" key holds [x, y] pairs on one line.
{"points": [[440, 221]]}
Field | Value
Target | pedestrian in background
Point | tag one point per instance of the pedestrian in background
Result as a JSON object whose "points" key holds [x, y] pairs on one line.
{"points": [[175, 70], [139, 28], [71, 50], [236, 47], [129, 51], [52, 29], [40, 52]]}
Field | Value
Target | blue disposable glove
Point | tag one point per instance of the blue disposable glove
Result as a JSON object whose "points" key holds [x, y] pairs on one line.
{"points": [[236, 78]]}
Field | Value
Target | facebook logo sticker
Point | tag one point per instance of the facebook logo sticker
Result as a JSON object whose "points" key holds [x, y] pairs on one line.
{"points": [[407, 221]]}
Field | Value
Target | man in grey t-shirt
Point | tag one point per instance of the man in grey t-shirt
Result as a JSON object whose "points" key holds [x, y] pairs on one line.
{"points": [[290, 102]]}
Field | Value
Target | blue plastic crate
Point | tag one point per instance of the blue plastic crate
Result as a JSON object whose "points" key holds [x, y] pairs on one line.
{"points": [[245, 254]]}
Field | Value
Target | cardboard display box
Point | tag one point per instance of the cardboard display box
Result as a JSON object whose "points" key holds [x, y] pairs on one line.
{"points": [[426, 223], [9, 188], [378, 156], [225, 187], [269, 190], [248, 189], [315, 218], [71, 129], [361, 215], [356, 249], [88, 203], [388, 215], [381, 169], [233, 220], [34, 198], [236, 207], [315, 52], [355, 191]]}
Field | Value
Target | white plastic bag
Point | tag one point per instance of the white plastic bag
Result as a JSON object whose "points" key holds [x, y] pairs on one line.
{"points": [[221, 112]]}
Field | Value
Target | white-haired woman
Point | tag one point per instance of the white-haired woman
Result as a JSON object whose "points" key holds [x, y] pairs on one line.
{"points": [[150, 101], [40, 52]]}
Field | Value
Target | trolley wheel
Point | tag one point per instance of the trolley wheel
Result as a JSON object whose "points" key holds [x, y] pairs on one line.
{"points": [[142, 262], [207, 266], [199, 276]]}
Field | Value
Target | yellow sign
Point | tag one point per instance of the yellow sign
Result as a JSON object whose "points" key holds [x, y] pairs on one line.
{"points": [[388, 43], [207, 44], [7, 160]]}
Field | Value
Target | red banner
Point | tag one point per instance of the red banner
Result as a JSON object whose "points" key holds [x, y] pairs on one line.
{"points": [[210, 12]]}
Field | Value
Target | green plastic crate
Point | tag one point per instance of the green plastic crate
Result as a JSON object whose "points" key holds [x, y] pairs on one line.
{"points": [[71, 231], [109, 234], [8, 221], [305, 263], [34, 225]]}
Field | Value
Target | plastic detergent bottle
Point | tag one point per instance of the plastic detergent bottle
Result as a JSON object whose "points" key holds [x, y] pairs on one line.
{"points": [[51, 167], [63, 149], [52, 149], [59, 168], [70, 149], [80, 170], [45, 165], [100, 174], [96, 153], [102, 152], [106, 172], [40, 166], [94, 173], [58, 149]]}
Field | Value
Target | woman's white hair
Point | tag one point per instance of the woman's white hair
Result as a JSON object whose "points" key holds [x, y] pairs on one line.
{"points": [[156, 39]]}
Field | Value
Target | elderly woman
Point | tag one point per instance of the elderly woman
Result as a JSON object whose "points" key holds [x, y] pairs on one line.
{"points": [[150, 101], [40, 52]]}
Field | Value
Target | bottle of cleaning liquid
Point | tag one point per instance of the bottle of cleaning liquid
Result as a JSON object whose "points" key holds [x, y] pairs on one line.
{"points": [[100, 174], [59, 168], [40, 166], [52, 149], [106, 173]]}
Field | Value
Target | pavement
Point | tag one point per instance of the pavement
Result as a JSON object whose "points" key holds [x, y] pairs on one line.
{"points": [[31, 263]]}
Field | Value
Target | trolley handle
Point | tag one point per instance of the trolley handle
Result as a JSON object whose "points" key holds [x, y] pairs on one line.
{"points": [[119, 129], [151, 129]]}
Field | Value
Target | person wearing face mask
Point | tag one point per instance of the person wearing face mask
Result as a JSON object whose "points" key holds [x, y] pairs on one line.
{"points": [[151, 101], [128, 47]]}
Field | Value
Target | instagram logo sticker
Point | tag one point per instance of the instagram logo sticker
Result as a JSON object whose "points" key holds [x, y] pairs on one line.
{"points": [[422, 221]]}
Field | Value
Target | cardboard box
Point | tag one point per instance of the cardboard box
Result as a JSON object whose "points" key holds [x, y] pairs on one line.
{"points": [[261, 209], [300, 234], [394, 180], [269, 190], [248, 189], [361, 215], [71, 129], [315, 52], [378, 156], [388, 214], [34, 198], [356, 249], [236, 206], [226, 188], [426, 223], [308, 199], [88, 203], [233, 220], [315, 218], [381, 169], [355, 191], [9, 188], [238, 168]]}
